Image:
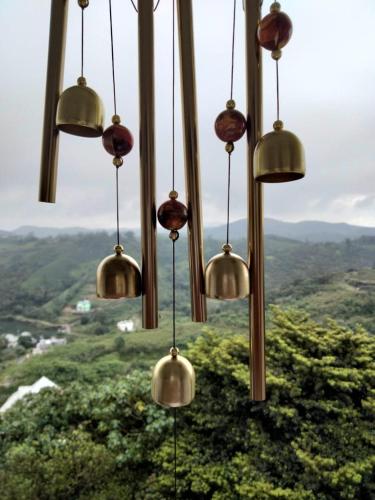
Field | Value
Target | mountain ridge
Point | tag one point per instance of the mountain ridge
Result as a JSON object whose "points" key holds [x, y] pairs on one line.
{"points": [[309, 231]]}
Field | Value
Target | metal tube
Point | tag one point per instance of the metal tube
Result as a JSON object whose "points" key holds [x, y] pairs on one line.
{"points": [[255, 204], [147, 163], [192, 174], [54, 82]]}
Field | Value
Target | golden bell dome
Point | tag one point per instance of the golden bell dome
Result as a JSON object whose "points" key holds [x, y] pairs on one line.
{"points": [[80, 111], [279, 156], [173, 381], [227, 276], [118, 276]]}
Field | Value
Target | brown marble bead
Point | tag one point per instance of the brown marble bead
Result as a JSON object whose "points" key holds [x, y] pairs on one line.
{"points": [[172, 215], [275, 31], [117, 140], [230, 125]]}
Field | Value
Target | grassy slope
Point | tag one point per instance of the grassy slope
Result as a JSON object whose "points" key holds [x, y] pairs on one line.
{"points": [[45, 278]]}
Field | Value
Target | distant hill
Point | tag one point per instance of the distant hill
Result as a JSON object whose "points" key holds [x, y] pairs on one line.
{"points": [[45, 232], [311, 231]]}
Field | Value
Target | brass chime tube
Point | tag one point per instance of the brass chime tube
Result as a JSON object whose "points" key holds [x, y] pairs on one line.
{"points": [[147, 162], [54, 82], [191, 149], [255, 204]]}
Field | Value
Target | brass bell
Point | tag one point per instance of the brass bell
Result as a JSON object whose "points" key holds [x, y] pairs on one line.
{"points": [[279, 156], [118, 276], [80, 111], [227, 276], [173, 381]]}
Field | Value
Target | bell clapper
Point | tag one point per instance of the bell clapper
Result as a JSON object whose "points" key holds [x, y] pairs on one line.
{"points": [[227, 274], [279, 155], [118, 275]]}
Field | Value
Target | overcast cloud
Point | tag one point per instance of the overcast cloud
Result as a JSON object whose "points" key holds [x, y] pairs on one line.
{"points": [[327, 76]]}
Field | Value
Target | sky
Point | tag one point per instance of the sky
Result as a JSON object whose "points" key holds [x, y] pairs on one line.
{"points": [[327, 75]]}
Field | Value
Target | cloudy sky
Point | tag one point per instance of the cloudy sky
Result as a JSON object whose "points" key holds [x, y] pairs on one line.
{"points": [[327, 76]]}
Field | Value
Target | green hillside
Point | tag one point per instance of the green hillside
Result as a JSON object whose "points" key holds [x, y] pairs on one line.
{"points": [[43, 279]]}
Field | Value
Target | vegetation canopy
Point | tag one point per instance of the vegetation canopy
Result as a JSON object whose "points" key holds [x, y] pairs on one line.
{"points": [[313, 438]]}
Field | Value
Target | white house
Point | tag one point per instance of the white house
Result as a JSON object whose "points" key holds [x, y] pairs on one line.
{"points": [[44, 344], [126, 325], [40, 384], [12, 340]]}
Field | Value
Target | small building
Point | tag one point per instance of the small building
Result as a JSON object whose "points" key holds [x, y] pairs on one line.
{"points": [[126, 325], [23, 390], [83, 306], [45, 344], [12, 340]]}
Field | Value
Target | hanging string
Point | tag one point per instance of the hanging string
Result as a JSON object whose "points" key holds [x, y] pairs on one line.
{"points": [[231, 96], [113, 58], [175, 450], [82, 38], [228, 196], [233, 39], [173, 294], [173, 95], [277, 90], [117, 209], [173, 241], [136, 9]]}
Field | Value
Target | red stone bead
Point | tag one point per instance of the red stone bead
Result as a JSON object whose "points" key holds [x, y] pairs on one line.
{"points": [[275, 30], [230, 125], [172, 215], [117, 140]]}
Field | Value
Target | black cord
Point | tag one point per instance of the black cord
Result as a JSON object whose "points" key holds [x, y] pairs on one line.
{"points": [[135, 7], [233, 40], [175, 450], [117, 209], [113, 59], [228, 196], [277, 89], [173, 294], [82, 30], [173, 94]]}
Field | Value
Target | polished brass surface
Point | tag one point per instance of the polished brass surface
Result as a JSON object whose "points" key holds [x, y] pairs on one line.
{"points": [[147, 162], [192, 173], [118, 161], [173, 195], [118, 276], [231, 104], [54, 81], [174, 235], [279, 156], [83, 3], [173, 381], [255, 203], [229, 147], [227, 276], [80, 111]]}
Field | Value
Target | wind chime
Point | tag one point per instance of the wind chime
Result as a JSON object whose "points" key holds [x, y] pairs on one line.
{"points": [[173, 378], [117, 275], [279, 155], [80, 109], [227, 274]]}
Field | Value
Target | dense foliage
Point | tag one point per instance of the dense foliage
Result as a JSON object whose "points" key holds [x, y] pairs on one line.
{"points": [[312, 439]]}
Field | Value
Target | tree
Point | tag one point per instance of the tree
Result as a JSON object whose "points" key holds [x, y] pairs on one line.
{"points": [[312, 439]]}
